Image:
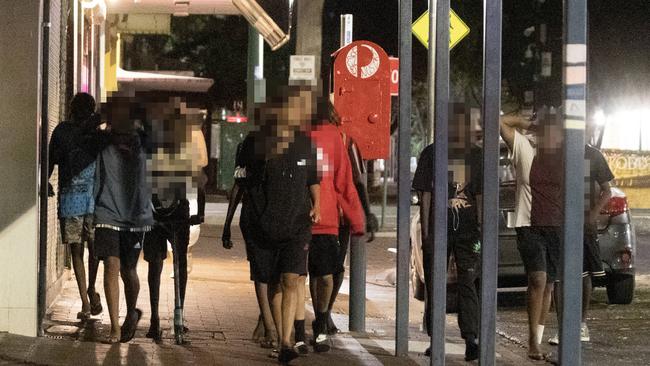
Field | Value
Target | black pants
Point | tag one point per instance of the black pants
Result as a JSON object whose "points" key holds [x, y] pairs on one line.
{"points": [[467, 254]]}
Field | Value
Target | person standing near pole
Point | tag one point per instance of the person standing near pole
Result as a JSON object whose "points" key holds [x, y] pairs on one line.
{"points": [[463, 233], [598, 191], [338, 196], [538, 215], [76, 203]]}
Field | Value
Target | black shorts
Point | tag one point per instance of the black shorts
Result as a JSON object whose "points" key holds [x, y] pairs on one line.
{"points": [[262, 262], [592, 264], [344, 243], [268, 263], [539, 247], [324, 254], [125, 245], [155, 242]]}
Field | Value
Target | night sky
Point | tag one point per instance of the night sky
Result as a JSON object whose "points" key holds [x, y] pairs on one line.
{"points": [[619, 38]]}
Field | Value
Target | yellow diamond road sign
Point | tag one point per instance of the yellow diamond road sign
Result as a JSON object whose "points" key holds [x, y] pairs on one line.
{"points": [[457, 29]]}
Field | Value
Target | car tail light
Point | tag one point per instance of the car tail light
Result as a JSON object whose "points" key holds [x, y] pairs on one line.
{"points": [[625, 258], [615, 206]]}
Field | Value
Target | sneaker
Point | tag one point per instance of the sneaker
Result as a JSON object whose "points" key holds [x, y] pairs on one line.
{"points": [[584, 336], [472, 350], [301, 348], [584, 333], [286, 355], [321, 343]]}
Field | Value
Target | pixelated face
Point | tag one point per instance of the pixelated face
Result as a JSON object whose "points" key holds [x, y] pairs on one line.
{"points": [[177, 141], [300, 109], [550, 138], [278, 122], [118, 114], [459, 171]]}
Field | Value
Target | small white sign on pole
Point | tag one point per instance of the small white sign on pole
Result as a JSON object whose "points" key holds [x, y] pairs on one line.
{"points": [[302, 68]]}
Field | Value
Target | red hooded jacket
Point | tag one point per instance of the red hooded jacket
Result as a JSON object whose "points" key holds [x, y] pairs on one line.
{"points": [[337, 190]]}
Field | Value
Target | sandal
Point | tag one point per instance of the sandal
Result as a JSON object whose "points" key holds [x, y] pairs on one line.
{"points": [[538, 356], [111, 340], [83, 315], [267, 343], [128, 329], [95, 303]]}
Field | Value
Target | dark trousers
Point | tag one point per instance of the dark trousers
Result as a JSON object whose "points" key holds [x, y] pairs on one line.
{"points": [[468, 264]]}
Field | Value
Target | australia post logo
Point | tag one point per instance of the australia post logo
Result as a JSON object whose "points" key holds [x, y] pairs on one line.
{"points": [[364, 58]]}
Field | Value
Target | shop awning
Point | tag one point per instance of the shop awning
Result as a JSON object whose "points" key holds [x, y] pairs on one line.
{"points": [[163, 80]]}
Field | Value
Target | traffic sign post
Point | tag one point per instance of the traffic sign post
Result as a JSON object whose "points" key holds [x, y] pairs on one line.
{"points": [[457, 29]]}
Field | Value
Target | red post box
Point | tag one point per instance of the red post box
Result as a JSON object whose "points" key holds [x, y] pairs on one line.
{"points": [[361, 89]]}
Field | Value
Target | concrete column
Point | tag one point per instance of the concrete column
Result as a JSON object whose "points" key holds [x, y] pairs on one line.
{"points": [[309, 30], [20, 53], [255, 82]]}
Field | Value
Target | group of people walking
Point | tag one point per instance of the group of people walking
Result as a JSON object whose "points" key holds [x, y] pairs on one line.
{"points": [[125, 186], [303, 200], [119, 188]]}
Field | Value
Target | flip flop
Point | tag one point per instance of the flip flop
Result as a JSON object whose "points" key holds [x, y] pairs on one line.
{"points": [[538, 356], [111, 340], [95, 303], [267, 343], [83, 315], [128, 330]]}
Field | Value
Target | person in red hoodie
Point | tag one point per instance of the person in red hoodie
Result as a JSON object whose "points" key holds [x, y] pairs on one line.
{"points": [[338, 195]]}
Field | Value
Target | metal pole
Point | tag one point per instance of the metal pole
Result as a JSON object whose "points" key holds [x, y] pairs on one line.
{"points": [[439, 84], [490, 114], [357, 285], [384, 196], [43, 168], [575, 81], [358, 260], [432, 75], [404, 179]]}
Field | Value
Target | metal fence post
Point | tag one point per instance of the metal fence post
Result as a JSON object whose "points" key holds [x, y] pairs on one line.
{"points": [[439, 82], [490, 217], [403, 179], [575, 81]]}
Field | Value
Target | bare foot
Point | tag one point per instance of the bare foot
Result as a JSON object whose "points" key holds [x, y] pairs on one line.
{"points": [[258, 333], [534, 353]]}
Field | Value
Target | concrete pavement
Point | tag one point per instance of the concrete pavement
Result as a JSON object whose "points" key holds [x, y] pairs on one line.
{"points": [[221, 313]]}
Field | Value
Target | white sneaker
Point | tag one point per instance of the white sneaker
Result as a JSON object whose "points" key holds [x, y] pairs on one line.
{"points": [[584, 333]]}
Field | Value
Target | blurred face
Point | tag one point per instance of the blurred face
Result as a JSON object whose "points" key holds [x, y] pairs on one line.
{"points": [[299, 109], [119, 115], [550, 138]]}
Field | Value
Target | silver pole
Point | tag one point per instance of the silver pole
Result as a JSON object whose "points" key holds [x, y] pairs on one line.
{"points": [[439, 82], [490, 116], [404, 179], [575, 90]]}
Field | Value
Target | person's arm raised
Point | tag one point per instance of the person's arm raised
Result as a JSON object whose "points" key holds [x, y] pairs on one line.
{"points": [[509, 124]]}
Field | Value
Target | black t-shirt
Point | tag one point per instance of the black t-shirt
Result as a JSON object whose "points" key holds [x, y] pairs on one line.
{"points": [[598, 173], [464, 220], [70, 151], [299, 160]]}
